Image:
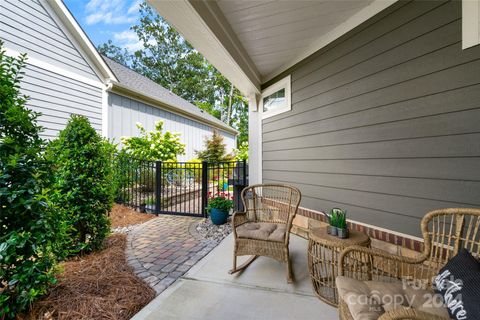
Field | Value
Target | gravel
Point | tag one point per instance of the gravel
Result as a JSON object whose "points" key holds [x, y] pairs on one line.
{"points": [[124, 230], [213, 232]]}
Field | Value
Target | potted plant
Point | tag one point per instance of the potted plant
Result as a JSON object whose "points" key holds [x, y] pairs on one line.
{"points": [[219, 207], [332, 228], [342, 229]]}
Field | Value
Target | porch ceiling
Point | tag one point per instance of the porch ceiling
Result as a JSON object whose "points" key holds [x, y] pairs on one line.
{"points": [[276, 33], [251, 42]]}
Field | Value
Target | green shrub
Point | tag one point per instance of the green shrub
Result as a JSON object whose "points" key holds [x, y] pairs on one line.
{"points": [[84, 175], [241, 154], [154, 145], [29, 229], [215, 149]]}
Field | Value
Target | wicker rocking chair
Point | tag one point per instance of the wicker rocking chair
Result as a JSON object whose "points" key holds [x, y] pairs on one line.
{"points": [[445, 232], [264, 228]]}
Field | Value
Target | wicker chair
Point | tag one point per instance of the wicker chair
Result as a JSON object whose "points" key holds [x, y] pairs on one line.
{"points": [[264, 228], [444, 231]]}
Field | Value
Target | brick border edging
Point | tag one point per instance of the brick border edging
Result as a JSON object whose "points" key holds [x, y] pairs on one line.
{"points": [[373, 233]]}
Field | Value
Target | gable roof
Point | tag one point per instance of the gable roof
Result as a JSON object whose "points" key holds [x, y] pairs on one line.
{"points": [[81, 38], [133, 84]]}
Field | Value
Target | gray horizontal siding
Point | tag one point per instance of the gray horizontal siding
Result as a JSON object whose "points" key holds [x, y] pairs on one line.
{"points": [[384, 122], [57, 97], [27, 27], [124, 113]]}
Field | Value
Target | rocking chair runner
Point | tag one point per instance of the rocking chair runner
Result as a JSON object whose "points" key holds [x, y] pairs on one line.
{"points": [[264, 228]]}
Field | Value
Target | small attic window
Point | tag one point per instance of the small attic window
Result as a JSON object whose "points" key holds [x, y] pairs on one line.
{"points": [[276, 98]]}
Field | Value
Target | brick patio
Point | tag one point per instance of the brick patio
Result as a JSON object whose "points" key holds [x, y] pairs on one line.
{"points": [[163, 249]]}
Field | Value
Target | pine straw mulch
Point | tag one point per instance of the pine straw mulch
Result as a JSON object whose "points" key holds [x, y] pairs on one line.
{"points": [[122, 216], [96, 286]]}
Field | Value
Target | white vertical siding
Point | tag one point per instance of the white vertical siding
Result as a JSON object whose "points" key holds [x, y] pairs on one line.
{"points": [[124, 113]]}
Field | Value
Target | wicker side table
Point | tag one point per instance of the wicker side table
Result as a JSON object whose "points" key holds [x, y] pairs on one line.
{"points": [[323, 252]]}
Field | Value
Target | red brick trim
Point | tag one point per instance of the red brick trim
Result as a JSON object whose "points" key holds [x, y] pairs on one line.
{"points": [[382, 235]]}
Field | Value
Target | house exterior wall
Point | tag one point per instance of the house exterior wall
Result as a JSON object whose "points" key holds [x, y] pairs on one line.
{"points": [[125, 112], [57, 78], [384, 121]]}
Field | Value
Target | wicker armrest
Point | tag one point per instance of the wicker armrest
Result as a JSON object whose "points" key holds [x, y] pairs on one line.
{"points": [[410, 314], [373, 264], [239, 218]]}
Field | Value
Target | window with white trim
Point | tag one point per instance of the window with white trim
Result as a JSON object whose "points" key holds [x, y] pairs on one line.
{"points": [[276, 99]]}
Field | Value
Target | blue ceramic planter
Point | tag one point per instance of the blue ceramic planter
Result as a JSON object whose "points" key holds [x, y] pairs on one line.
{"points": [[218, 216]]}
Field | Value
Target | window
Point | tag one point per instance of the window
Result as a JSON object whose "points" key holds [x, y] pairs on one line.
{"points": [[276, 98]]}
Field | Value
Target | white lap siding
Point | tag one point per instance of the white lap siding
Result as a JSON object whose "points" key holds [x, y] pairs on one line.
{"points": [[58, 79]]}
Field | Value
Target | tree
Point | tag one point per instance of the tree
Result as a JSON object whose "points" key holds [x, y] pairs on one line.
{"points": [[215, 149], [115, 53], [84, 175], [30, 230], [169, 60], [172, 62], [154, 145]]}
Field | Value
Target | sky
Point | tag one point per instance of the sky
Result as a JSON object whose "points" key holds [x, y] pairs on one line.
{"points": [[108, 19]]}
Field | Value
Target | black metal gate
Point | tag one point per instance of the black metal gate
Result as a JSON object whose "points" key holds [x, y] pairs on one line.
{"points": [[179, 188]]}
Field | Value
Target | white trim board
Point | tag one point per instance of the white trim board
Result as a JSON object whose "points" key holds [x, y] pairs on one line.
{"points": [[470, 23], [88, 51], [55, 69]]}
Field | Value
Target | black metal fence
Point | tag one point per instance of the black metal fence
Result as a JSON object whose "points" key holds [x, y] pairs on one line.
{"points": [[180, 188]]}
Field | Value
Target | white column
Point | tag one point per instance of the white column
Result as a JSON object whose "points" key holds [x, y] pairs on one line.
{"points": [[470, 23], [254, 141]]}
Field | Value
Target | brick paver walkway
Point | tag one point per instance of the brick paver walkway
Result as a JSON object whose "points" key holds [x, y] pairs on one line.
{"points": [[164, 248]]}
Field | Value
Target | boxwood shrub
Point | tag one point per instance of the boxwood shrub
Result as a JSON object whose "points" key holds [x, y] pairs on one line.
{"points": [[84, 177]]}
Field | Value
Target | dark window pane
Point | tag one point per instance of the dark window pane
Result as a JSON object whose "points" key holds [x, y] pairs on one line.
{"points": [[274, 101]]}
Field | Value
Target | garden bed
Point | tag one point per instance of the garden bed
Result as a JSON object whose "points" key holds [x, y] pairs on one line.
{"points": [[124, 217], [97, 286]]}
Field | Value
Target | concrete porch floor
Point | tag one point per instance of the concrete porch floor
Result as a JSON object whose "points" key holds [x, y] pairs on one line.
{"points": [[261, 291]]}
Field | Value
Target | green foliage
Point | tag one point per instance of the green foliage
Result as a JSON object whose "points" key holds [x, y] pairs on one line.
{"points": [[338, 218], [215, 149], [29, 228], [84, 175], [241, 154], [154, 145], [222, 202], [172, 62], [115, 53]]}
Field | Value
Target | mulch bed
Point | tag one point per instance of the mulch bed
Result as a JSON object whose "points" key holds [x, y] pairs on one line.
{"points": [[100, 285], [122, 216]]}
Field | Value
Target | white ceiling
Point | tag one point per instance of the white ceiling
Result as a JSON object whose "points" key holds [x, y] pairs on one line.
{"points": [[252, 41], [275, 34]]}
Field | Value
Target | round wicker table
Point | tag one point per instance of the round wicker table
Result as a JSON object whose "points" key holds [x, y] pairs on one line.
{"points": [[323, 253]]}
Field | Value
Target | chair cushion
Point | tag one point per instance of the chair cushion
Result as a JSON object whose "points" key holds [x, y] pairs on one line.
{"points": [[368, 300], [262, 231]]}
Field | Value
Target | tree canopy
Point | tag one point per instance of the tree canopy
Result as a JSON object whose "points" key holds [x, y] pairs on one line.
{"points": [[169, 60]]}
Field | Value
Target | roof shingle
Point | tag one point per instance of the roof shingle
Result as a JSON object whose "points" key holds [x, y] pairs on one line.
{"points": [[143, 85]]}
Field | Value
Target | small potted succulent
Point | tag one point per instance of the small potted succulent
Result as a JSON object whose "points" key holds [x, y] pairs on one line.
{"points": [[219, 207], [342, 228], [333, 220]]}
